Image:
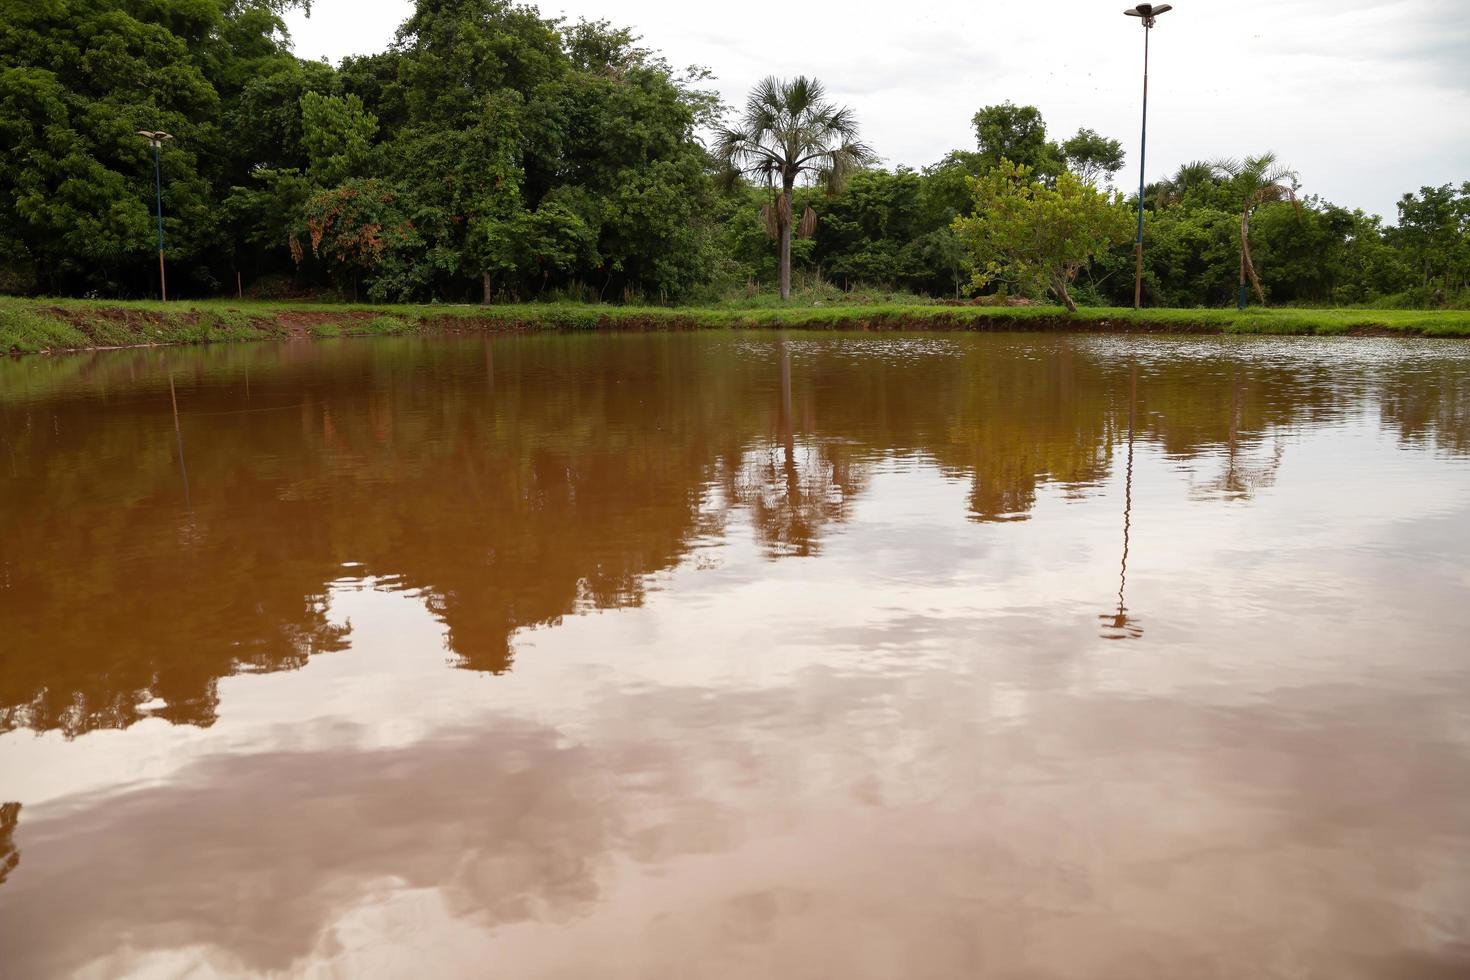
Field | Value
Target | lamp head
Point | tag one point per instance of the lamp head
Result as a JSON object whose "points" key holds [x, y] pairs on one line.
{"points": [[1147, 12]]}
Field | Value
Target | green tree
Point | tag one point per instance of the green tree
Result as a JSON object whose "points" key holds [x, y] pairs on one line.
{"points": [[1038, 237], [1187, 261], [1371, 268], [453, 53], [556, 237], [946, 188], [1092, 157], [944, 195], [359, 229], [452, 94], [263, 121], [1434, 234], [463, 185], [1190, 179], [625, 126], [788, 129], [1016, 133], [493, 115], [869, 232], [1255, 181], [337, 134]]}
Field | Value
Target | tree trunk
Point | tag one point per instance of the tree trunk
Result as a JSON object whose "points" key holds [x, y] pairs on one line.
{"points": [[783, 220], [1059, 286], [1247, 267], [486, 288], [1245, 217]]}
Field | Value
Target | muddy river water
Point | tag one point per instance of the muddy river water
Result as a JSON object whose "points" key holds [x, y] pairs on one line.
{"points": [[737, 655]]}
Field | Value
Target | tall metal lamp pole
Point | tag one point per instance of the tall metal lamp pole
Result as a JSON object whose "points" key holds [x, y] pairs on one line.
{"points": [[155, 139], [1147, 13]]}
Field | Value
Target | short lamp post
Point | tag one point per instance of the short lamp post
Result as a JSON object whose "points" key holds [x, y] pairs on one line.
{"points": [[155, 140], [1148, 13]]}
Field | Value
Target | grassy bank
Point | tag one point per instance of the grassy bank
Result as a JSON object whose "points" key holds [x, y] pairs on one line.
{"points": [[55, 325]]}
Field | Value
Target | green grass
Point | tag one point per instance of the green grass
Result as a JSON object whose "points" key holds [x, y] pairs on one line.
{"points": [[23, 329], [49, 325]]}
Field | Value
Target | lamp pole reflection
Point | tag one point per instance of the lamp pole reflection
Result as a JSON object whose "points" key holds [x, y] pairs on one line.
{"points": [[1119, 625], [489, 367], [179, 436]]}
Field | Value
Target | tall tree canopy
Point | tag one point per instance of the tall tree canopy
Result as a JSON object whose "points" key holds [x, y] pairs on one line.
{"points": [[788, 129], [1018, 134]]}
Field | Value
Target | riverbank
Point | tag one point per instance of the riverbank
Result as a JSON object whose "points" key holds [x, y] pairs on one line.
{"points": [[33, 326]]}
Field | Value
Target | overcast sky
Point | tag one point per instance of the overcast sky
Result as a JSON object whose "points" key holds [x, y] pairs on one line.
{"points": [[1367, 99]]}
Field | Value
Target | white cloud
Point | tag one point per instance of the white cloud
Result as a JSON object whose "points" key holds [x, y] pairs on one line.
{"points": [[1366, 99]]}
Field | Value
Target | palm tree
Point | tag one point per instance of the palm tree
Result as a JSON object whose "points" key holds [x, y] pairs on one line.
{"points": [[1172, 190], [1256, 180], [789, 128]]}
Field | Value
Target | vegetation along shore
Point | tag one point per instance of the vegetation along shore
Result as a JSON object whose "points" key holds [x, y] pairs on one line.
{"points": [[491, 154], [30, 326]]}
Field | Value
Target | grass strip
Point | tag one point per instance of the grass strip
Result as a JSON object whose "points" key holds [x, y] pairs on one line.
{"points": [[31, 325]]}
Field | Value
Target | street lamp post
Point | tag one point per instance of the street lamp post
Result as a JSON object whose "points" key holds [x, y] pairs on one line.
{"points": [[1147, 13], [155, 139]]}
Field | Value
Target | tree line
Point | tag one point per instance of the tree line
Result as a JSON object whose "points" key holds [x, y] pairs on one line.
{"points": [[492, 154]]}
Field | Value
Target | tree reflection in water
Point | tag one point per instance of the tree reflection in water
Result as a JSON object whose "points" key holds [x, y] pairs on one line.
{"points": [[1242, 475], [792, 493], [9, 853], [517, 481]]}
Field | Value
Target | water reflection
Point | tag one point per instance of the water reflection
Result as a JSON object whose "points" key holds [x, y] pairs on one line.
{"points": [[179, 437], [509, 827], [775, 654], [793, 492], [514, 490], [9, 854], [1119, 625], [507, 839]]}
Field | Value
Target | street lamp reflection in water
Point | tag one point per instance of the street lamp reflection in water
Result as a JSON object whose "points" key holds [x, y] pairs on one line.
{"points": [[1119, 625]]}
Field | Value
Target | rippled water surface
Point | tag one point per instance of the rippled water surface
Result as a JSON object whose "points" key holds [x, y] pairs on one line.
{"points": [[737, 655]]}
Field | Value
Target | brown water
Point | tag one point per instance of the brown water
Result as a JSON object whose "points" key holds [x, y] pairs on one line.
{"points": [[738, 655]]}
